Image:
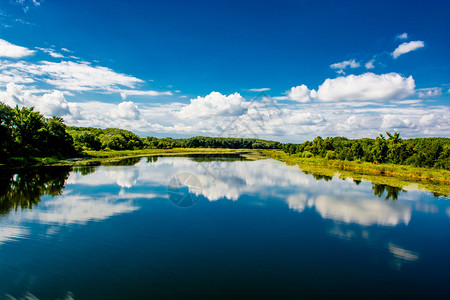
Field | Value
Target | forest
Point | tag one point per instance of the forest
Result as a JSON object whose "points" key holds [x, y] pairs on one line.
{"points": [[89, 138], [25, 133], [391, 149]]}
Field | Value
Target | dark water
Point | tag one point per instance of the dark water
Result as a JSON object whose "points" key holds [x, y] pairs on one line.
{"points": [[200, 228]]}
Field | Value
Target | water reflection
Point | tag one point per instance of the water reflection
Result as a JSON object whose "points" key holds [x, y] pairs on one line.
{"points": [[221, 177], [25, 189], [391, 191], [337, 200], [251, 218]]}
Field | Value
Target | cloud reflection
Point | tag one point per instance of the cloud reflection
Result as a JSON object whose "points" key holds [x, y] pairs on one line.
{"points": [[338, 200], [12, 233]]}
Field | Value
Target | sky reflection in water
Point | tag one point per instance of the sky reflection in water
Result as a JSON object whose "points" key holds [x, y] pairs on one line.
{"points": [[118, 220]]}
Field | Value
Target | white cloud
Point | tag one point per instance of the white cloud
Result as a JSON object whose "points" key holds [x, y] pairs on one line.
{"points": [[344, 64], [407, 47], [125, 93], [369, 65], [126, 110], [53, 104], [13, 51], [299, 93], [429, 92], [13, 75], [259, 90], [51, 52], [214, 104], [74, 76], [83, 77], [395, 122], [368, 86], [358, 122], [303, 118], [49, 104], [402, 36]]}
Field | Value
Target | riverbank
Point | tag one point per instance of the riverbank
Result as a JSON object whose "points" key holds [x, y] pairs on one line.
{"points": [[435, 181], [93, 158]]}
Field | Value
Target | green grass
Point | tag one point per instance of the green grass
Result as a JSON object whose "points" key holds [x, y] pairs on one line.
{"points": [[433, 180]]}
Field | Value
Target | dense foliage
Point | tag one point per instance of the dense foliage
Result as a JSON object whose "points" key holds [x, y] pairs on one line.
{"points": [[419, 152], [88, 138], [26, 133]]}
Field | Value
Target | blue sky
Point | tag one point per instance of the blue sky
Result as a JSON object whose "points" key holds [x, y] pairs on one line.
{"points": [[184, 68]]}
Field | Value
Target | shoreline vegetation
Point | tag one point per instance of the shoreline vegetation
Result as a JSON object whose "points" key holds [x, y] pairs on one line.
{"points": [[29, 140], [401, 176]]}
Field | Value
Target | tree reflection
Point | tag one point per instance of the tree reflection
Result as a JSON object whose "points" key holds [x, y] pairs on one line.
{"points": [[84, 170], [391, 191], [318, 176], [129, 161], [216, 157], [324, 177], [25, 189], [152, 159], [357, 182]]}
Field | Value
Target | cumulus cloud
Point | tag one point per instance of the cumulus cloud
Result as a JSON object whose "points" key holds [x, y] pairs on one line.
{"points": [[49, 104], [53, 104], [15, 95], [369, 65], [304, 118], [126, 110], [344, 64], [407, 47], [13, 51], [358, 122], [214, 104], [368, 86], [395, 122], [299, 93], [429, 92]]}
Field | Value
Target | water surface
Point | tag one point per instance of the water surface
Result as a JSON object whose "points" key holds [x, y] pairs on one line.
{"points": [[252, 230]]}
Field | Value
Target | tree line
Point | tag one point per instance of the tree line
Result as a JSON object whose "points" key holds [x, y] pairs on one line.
{"points": [[27, 133], [419, 152], [89, 138]]}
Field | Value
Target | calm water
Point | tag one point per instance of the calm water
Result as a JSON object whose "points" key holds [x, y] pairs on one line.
{"points": [[217, 228]]}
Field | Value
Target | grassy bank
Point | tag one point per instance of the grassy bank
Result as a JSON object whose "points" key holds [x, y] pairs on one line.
{"points": [[436, 181], [93, 158]]}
